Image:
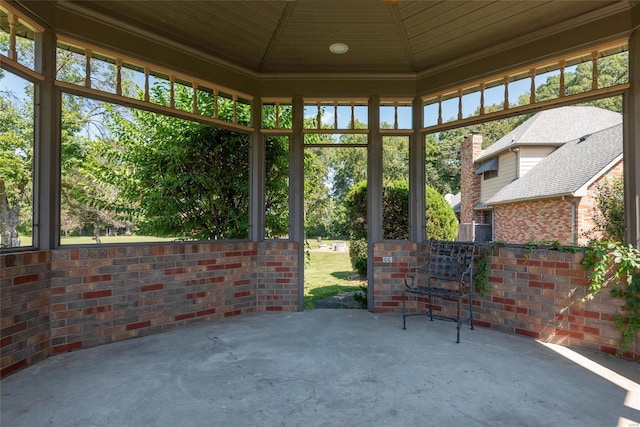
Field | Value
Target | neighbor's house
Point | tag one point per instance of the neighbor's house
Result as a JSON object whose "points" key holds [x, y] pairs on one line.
{"points": [[538, 182]]}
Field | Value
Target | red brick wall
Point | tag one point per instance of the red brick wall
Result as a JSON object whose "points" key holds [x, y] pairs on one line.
{"points": [[278, 276], [538, 220], [536, 293], [24, 296], [549, 219], [105, 294], [74, 298]]}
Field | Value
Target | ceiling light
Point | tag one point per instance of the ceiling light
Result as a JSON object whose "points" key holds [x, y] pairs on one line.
{"points": [[339, 48]]}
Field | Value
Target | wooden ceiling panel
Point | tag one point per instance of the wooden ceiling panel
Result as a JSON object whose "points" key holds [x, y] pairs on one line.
{"points": [[496, 24], [501, 17], [437, 16], [314, 56], [293, 36]]}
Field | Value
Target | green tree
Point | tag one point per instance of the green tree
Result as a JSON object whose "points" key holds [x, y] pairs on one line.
{"points": [[395, 220], [612, 70], [276, 187], [89, 200], [608, 213], [170, 177], [318, 204], [16, 151], [441, 222], [185, 179], [16, 166], [345, 166]]}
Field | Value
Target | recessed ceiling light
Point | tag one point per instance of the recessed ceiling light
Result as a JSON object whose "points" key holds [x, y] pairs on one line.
{"points": [[339, 48]]}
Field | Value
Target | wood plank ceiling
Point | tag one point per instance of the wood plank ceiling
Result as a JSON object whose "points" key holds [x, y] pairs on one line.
{"points": [[384, 37]]}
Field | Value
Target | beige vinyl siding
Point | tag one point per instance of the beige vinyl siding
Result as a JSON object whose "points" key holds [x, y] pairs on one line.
{"points": [[506, 174], [531, 156]]}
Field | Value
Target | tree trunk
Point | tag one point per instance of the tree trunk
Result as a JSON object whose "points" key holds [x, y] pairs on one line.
{"points": [[9, 220], [96, 232]]}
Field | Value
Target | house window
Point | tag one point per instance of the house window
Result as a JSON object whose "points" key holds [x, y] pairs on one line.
{"points": [[488, 217], [490, 174], [488, 169]]}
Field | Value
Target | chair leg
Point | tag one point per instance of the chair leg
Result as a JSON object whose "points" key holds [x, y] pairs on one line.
{"points": [[404, 316], [471, 311], [459, 322]]}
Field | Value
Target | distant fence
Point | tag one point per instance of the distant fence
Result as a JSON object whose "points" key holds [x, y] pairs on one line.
{"points": [[472, 232]]}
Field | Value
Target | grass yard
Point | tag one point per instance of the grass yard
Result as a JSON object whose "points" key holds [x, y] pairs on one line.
{"points": [[328, 273], [87, 240]]}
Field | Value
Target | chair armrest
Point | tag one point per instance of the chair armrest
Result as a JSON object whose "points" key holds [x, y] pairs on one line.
{"points": [[409, 278]]}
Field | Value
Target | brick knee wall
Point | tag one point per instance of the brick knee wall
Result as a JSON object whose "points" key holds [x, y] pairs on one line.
{"points": [[105, 294], [278, 276], [24, 296], [536, 293], [73, 298]]}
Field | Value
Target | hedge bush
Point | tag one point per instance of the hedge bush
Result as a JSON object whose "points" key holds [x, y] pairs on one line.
{"points": [[441, 223]]}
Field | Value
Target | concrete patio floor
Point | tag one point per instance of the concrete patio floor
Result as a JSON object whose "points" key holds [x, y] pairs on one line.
{"points": [[324, 367]]}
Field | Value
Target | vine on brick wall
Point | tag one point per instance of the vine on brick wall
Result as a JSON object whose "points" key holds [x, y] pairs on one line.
{"points": [[617, 264], [483, 264], [610, 264], [483, 267]]}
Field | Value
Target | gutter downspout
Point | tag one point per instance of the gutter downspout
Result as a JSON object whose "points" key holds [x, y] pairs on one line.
{"points": [[516, 151], [574, 211]]}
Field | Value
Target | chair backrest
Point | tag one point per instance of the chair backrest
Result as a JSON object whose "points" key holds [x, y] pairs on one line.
{"points": [[449, 260]]}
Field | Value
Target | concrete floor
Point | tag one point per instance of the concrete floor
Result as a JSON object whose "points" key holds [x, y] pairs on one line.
{"points": [[323, 368]]}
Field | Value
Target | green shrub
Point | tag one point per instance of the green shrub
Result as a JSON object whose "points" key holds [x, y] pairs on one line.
{"points": [[358, 256], [441, 220], [395, 208], [441, 223], [608, 213]]}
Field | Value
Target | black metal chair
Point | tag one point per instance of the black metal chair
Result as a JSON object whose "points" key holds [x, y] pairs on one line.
{"points": [[447, 273]]}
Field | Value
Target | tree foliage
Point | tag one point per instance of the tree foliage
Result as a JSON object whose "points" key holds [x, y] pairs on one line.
{"points": [[608, 213], [124, 167], [318, 204], [183, 178], [16, 166], [441, 222], [612, 70], [276, 187]]}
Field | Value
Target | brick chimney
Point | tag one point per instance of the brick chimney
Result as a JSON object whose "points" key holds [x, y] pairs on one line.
{"points": [[469, 181]]}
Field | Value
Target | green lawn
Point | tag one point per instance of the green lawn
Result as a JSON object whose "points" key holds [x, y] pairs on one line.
{"points": [[84, 240], [328, 273]]}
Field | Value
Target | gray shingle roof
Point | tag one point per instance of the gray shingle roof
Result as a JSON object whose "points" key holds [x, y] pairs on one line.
{"points": [[567, 169], [555, 127]]}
